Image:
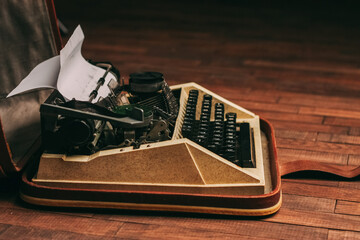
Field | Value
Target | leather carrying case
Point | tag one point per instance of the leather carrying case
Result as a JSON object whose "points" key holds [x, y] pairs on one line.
{"points": [[29, 35], [20, 132]]}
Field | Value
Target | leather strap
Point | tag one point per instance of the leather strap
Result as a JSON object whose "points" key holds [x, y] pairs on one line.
{"points": [[304, 165]]}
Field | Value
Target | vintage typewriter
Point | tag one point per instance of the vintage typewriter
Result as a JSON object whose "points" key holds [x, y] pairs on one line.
{"points": [[147, 136]]}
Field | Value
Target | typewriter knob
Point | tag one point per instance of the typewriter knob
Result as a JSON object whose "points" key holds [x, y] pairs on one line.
{"points": [[79, 132], [146, 82]]}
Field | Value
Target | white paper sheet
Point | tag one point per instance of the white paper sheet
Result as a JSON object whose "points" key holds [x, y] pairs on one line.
{"points": [[78, 78], [70, 73], [44, 75]]}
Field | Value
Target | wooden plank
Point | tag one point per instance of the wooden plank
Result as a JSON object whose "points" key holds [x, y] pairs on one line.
{"points": [[23, 232], [344, 235], [318, 146], [325, 137], [351, 184], [315, 181], [312, 100], [330, 112], [330, 192], [241, 93], [309, 127], [338, 138], [10, 200], [284, 133], [302, 67], [3, 228], [290, 154], [347, 207], [354, 160], [354, 131], [275, 107], [289, 117], [58, 222], [318, 219], [336, 121], [154, 231], [306, 203], [228, 226]]}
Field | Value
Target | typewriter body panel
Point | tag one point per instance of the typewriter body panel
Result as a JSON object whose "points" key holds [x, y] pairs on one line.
{"points": [[176, 163]]}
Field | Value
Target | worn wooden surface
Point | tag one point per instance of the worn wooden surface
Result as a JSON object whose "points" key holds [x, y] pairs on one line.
{"points": [[296, 65]]}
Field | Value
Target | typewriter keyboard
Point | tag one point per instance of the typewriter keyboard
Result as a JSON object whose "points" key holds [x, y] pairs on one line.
{"points": [[223, 136]]}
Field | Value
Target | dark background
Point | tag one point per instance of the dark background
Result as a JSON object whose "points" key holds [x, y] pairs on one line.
{"points": [[230, 43]]}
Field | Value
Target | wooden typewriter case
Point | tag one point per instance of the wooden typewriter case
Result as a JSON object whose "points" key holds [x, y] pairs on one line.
{"points": [[173, 175]]}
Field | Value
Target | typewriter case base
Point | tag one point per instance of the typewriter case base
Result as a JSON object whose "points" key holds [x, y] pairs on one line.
{"points": [[72, 196], [219, 195]]}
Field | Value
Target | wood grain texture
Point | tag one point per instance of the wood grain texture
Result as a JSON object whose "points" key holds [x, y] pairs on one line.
{"points": [[294, 64], [345, 235], [346, 207]]}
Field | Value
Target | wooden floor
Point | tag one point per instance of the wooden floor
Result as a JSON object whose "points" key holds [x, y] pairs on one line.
{"points": [[296, 65]]}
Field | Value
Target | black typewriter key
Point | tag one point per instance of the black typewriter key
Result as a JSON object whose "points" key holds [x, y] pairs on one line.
{"points": [[204, 117], [201, 140], [187, 123], [218, 124], [186, 127], [219, 112], [217, 138], [207, 97], [230, 125], [192, 102], [217, 132], [230, 135], [190, 109], [219, 117], [194, 92], [230, 153], [188, 118], [230, 143], [212, 147], [206, 110], [231, 115], [203, 131], [218, 129], [219, 105], [229, 130], [217, 141], [206, 104]]}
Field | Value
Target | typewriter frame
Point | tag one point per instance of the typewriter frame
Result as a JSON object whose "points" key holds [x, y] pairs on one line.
{"points": [[164, 198]]}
